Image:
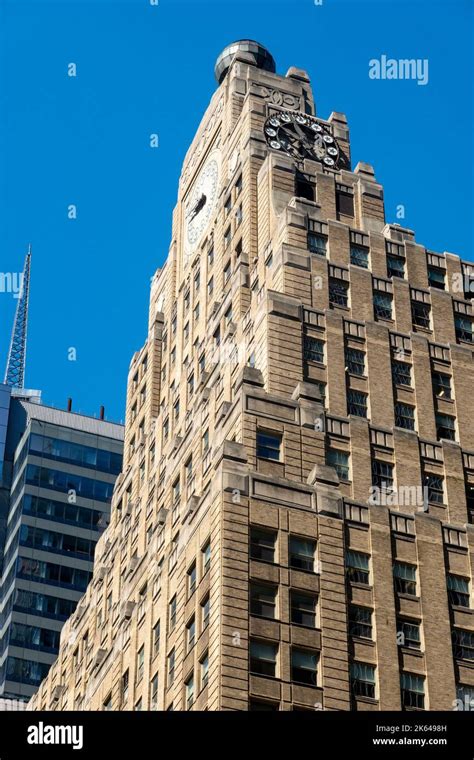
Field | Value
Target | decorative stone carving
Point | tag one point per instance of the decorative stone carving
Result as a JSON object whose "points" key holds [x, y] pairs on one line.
{"points": [[279, 98]]}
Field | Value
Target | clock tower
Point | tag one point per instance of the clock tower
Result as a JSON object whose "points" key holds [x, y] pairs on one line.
{"points": [[303, 381]]}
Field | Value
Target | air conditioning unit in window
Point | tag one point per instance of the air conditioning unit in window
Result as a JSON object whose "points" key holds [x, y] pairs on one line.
{"points": [[99, 658], [176, 442], [161, 516], [126, 609], [215, 307], [102, 572], [56, 693], [231, 328]]}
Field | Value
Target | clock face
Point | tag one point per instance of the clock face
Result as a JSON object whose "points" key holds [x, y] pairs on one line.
{"points": [[301, 136], [201, 202]]}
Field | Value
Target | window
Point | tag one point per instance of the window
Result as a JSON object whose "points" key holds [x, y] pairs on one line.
{"points": [[304, 188], [359, 256], [445, 427], [355, 361], [463, 644], [395, 266], [382, 305], [360, 622], [464, 329], [262, 544], [435, 486], [205, 442], [436, 278], [466, 696], [413, 690], [171, 664], [401, 373], [107, 704], [204, 667], [263, 600], [357, 567], [154, 693], [404, 416], [263, 658], [356, 403], [256, 705], [227, 273], [206, 557], [363, 680], [304, 667], [227, 206], [340, 461], [156, 638], [238, 186], [303, 609], [268, 445], [302, 553], [210, 256], [405, 578], [382, 475], [408, 634], [210, 287], [420, 313], [142, 602], [441, 385], [172, 612], [317, 244], [202, 363], [140, 662], [338, 292], [239, 216], [344, 202], [124, 686], [205, 612], [458, 591], [313, 349], [190, 634], [189, 686], [192, 577]]}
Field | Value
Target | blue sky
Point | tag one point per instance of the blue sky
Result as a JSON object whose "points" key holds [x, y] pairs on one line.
{"points": [[144, 69]]}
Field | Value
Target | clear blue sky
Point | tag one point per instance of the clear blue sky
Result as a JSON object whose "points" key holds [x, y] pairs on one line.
{"points": [[143, 69]]}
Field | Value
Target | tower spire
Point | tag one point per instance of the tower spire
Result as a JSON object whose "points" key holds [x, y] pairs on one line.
{"points": [[15, 370]]}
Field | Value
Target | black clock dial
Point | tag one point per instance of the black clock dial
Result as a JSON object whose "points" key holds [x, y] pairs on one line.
{"points": [[301, 136]]}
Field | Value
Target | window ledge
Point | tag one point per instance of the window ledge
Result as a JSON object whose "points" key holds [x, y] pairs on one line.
{"points": [[407, 596], [412, 651], [465, 663], [405, 430], [339, 306], [354, 584], [402, 387], [367, 700], [362, 640]]}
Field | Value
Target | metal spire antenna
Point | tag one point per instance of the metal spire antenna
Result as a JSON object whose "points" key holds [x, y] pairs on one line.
{"points": [[15, 371]]}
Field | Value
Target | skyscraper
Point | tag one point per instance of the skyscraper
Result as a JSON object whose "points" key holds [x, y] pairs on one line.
{"points": [[292, 528], [59, 469]]}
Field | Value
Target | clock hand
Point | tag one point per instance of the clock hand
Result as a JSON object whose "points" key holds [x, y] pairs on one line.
{"points": [[200, 203]]}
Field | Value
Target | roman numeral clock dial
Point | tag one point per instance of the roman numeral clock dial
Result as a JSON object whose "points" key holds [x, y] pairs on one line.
{"points": [[201, 203], [301, 136]]}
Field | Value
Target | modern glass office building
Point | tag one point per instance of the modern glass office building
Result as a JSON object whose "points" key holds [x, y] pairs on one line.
{"points": [[59, 470]]}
